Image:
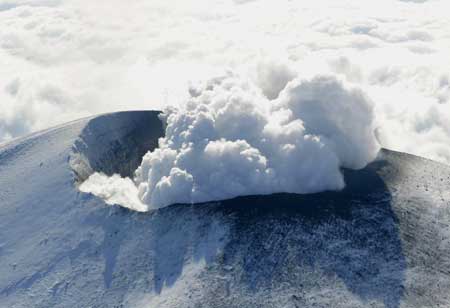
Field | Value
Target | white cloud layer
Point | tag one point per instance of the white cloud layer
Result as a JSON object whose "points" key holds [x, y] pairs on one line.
{"points": [[64, 59]]}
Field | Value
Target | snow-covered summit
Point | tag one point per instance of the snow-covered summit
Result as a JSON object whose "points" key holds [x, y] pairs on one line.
{"points": [[384, 241]]}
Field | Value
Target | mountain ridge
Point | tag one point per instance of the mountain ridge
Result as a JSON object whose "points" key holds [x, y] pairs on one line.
{"points": [[384, 241]]}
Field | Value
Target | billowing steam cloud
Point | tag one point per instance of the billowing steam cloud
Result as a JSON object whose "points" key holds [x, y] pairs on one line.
{"points": [[114, 190], [231, 140]]}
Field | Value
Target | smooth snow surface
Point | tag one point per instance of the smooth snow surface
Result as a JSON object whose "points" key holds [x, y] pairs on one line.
{"points": [[230, 140], [383, 241]]}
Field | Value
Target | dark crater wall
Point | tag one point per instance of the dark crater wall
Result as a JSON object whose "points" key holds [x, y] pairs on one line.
{"points": [[115, 143]]}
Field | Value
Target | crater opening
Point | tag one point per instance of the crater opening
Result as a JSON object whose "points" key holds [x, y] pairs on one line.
{"points": [[115, 143]]}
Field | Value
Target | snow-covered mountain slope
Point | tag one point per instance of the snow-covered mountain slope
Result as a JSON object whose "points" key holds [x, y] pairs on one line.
{"points": [[384, 241]]}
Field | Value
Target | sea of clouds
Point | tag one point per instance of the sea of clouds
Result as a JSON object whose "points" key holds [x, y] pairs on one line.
{"points": [[65, 59], [385, 64]]}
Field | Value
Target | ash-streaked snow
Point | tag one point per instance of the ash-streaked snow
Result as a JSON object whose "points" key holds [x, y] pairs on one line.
{"points": [[383, 241]]}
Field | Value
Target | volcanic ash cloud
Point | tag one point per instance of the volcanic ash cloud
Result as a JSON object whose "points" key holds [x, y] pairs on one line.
{"points": [[231, 140]]}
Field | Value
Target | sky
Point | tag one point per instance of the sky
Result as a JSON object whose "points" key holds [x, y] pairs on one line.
{"points": [[65, 59]]}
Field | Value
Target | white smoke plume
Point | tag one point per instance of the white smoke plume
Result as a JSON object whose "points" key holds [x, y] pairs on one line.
{"points": [[231, 140], [114, 190]]}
